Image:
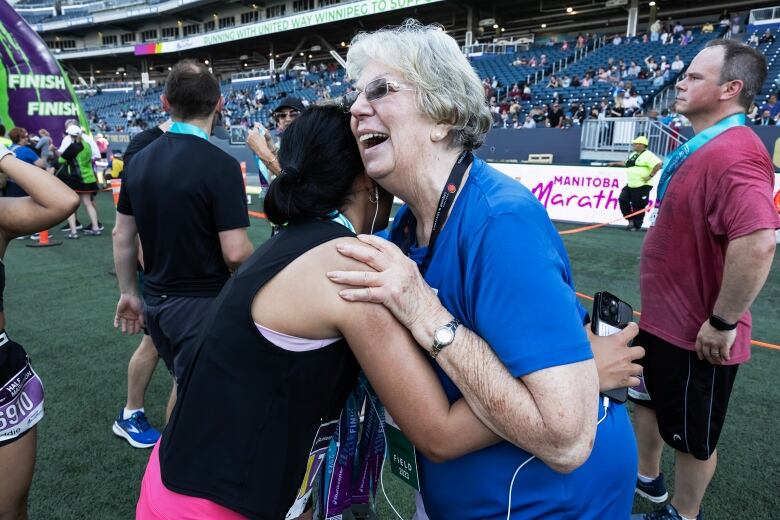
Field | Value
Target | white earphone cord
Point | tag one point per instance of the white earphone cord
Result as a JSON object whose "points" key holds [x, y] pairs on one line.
{"points": [[605, 403]]}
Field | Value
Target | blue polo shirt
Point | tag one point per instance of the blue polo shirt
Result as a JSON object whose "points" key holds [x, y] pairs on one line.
{"points": [[26, 154], [500, 267]]}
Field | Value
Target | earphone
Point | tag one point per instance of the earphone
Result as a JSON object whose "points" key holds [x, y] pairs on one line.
{"points": [[376, 211], [605, 404]]}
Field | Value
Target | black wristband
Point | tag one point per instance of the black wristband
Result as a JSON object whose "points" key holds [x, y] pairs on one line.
{"points": [[720, 324]]}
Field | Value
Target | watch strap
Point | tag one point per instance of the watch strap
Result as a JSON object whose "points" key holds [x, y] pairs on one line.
{"points": [[438, 347], [719, 323]]}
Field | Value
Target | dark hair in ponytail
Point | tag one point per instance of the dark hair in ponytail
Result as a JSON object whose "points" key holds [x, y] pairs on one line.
{"points": [[320, 161]]}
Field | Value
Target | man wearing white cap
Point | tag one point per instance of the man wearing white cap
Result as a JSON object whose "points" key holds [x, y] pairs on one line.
{"points": [[641, 166]]}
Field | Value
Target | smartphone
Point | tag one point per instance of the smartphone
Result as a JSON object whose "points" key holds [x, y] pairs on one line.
{"points": [[610, 316]]}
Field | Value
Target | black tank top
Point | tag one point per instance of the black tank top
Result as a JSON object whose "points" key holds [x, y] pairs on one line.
{"points": [[248, 411]]}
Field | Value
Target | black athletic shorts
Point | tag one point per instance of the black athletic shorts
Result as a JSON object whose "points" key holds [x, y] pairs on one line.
{"points": [[21, 392], [173, 323], [689, 396]]}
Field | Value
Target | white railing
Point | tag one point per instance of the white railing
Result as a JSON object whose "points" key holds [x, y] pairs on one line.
{"points": [[614, 135], [764, 16]]}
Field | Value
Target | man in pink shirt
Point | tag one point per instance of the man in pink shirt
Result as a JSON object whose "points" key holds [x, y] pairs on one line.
{"points": [[703, 263]]}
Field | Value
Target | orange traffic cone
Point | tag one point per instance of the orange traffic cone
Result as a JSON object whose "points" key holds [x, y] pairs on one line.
{"points": [[44, 240], [116, 186], [243, 174]]}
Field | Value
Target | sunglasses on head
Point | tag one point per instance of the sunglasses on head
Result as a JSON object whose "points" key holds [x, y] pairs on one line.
{"points": [[376, 89]]}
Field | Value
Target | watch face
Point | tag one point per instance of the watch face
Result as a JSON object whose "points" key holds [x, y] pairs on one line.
{"points": [[444, 336]]}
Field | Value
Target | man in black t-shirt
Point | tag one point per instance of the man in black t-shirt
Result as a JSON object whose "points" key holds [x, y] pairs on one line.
{"points": [[186, 200], [555, 116]]}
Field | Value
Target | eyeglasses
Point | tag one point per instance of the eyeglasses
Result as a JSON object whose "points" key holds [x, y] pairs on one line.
{"points": [[377, 89], [292, 114]]}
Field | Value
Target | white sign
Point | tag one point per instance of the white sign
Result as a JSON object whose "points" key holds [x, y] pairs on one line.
{"points": [[583, 194], [286, 23]]}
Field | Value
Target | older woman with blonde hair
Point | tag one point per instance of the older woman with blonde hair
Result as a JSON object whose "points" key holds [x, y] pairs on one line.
{"points": [[477, 273]]}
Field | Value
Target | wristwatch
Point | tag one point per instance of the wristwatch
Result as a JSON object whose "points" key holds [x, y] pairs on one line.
{"points": [[443, 337], [719, 323]]}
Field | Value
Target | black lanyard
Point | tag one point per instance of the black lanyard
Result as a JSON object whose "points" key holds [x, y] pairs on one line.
{"points": [[446, 199]]}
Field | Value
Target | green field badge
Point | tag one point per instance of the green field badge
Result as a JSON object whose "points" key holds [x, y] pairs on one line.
{"points": [[402, 455]]}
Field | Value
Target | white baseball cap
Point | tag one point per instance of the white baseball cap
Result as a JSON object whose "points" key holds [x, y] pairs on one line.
{"points": [[73, 130]]}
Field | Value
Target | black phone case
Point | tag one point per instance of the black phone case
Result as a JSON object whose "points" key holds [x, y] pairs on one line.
{"points": [[623, 317]]}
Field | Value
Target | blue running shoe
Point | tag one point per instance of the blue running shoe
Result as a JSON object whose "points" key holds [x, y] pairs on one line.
{"points": [[654, 491], [667, 513], [136, 430]]}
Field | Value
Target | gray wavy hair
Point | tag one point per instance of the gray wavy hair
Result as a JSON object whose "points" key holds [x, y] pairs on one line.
{"points": [[447, 88]]}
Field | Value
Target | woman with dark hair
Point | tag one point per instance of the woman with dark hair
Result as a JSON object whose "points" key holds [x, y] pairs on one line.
{"points": [[21, 393], [280, 351]]}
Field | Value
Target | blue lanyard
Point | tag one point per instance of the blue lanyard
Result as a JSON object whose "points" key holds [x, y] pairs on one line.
{"points": [[344, 221], [678, 157], [186, 128]]}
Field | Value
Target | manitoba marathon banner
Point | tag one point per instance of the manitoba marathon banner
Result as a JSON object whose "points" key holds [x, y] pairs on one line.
{"points": [[35, 92]]}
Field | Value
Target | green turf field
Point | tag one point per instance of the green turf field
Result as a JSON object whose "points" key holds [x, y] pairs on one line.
{"points": [[60, 305]]}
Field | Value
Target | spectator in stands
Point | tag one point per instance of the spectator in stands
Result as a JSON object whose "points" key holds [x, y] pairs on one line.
{"points": [[765, 119], [617, 109], [532, 62], [658, 79], [752, 112], [686, 39], [603, 75], [767, 37], [543, 60], [539, 115], [707, 28], [651, 64], [753, 40], [575, 81], [617, 40], [565, 81], [712, 245], [555, 116], [641, 166], [772, 105], [735, 24], [515, 93], [587, 81], [565, 46], [655, 30], [678, 29], [577, 113], [553, 82], [723, 19], [527, 94], [580, 41], [678, 64], [447, 128], [529, 122]]}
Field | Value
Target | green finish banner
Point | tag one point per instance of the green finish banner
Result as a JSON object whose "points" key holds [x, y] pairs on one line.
{"points": [[35, 92]]}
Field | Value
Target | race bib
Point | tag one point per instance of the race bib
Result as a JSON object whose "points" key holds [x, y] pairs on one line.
{"points": [[652, 216], [316, 457], [21, 403]]}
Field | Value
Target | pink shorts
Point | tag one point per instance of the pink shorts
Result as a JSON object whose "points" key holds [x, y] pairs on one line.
{"points": [[159, 503]]}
